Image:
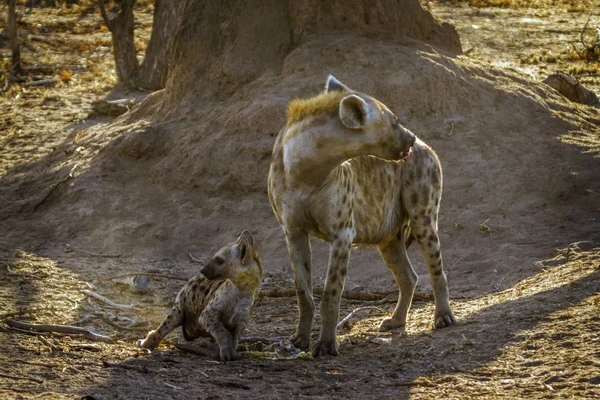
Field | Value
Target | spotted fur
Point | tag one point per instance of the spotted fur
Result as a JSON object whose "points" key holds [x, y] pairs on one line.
{"points": [[355, 176], [217, 302]]}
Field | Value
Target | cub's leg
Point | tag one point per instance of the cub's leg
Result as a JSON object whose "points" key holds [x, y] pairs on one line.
{"points": [[173, 320], [210, 320], [395, 257]]}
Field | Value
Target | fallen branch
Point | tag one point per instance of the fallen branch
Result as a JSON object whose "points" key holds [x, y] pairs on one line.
{"points": [[23, 378], [12, 273], [61, 329], [95, 254], [152, 275], [52, 346], [195, 259], [108, 301], [356, 310], [41, 82], [200, 351]]}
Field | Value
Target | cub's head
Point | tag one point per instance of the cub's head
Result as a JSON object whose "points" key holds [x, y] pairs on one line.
{"points": [[371, 119], [238, 261]]}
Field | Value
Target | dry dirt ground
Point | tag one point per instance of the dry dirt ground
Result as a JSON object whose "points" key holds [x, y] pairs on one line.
{"points": [[529, 333]]}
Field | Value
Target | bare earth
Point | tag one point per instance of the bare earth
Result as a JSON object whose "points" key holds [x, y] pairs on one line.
{"points": [[521, 237]]}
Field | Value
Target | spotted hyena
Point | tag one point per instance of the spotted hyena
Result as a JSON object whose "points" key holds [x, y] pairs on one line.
{"points": [[218, 301], [345, 170]]}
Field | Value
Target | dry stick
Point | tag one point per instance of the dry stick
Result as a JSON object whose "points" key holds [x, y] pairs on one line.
{"points": [[95, 254], [343, 321], [11, 272], [66, 178], [178, 278], [195, 259], [41, 82], [61, 329], [107, 301], [200, 351], [23, 378]]}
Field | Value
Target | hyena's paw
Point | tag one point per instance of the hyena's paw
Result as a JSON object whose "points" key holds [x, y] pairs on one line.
{"points": [[390, 324], [146, 343], [325, 347], [300, 341], [444, 319], [227, 354]]}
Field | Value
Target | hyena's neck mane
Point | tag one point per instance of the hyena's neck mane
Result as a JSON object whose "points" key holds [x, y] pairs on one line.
{"points": [[325, 103]]}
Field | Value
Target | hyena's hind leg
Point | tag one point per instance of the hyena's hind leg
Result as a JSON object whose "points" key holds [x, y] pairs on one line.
{"points": [[173, 320], [395, 257], [424, 229]]}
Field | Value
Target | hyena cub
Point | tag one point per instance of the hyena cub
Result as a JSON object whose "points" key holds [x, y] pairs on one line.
{"points": [[218, 301]]}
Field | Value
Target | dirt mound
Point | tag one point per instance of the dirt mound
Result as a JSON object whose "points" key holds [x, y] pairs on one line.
{"points": [[187, 170]]}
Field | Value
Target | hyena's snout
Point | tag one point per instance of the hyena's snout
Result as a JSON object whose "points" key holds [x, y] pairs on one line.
{"points": [[210, 271], [409, 139]]}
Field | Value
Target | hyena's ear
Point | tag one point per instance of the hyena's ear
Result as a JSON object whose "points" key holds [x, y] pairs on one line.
{"points": [[244, 241], [333, 85], [354, 111]]}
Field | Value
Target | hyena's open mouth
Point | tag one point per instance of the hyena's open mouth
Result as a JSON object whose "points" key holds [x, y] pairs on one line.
{"points": [[405, 154]]}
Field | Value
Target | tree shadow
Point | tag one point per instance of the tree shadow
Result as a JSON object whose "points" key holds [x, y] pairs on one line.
{"points": [[363, 370]]}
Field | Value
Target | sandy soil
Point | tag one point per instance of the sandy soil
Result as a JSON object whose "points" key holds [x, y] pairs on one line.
{"points": [[521, 246]]}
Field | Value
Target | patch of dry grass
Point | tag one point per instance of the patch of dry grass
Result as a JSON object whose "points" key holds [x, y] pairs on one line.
{"points": [[571, 5]]}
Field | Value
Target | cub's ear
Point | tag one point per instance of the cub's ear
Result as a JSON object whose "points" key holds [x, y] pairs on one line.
{"points": [[354, 112], [333, 85], [247, 236], [244, 241]]}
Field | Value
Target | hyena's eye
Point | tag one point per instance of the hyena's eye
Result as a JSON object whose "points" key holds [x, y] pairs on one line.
{"points": [[219, 260]]}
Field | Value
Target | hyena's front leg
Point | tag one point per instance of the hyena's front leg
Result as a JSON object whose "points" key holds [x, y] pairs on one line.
{"points": [[173, 320], [210, 321], [339, 255], [300, 255]]}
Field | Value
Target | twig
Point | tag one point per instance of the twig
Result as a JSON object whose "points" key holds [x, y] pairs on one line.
{"points": [[52, 346], [172, 386], [108, 301], [587, 75], [23, 378], [347, 318], [66, 178], [95, 254], [41, 82], [200, 351], [60, 329], [195, 259], [11, 272], [178, 278], [254, 339]]}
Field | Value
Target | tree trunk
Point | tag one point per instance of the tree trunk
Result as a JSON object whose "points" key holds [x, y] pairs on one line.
{"points": [[220, 46], [152, 74], [13, 39], [121, 29]]}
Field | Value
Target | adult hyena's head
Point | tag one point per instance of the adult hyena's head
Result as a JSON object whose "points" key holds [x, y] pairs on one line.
{"points": [[381, 130], [238, 261]]}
